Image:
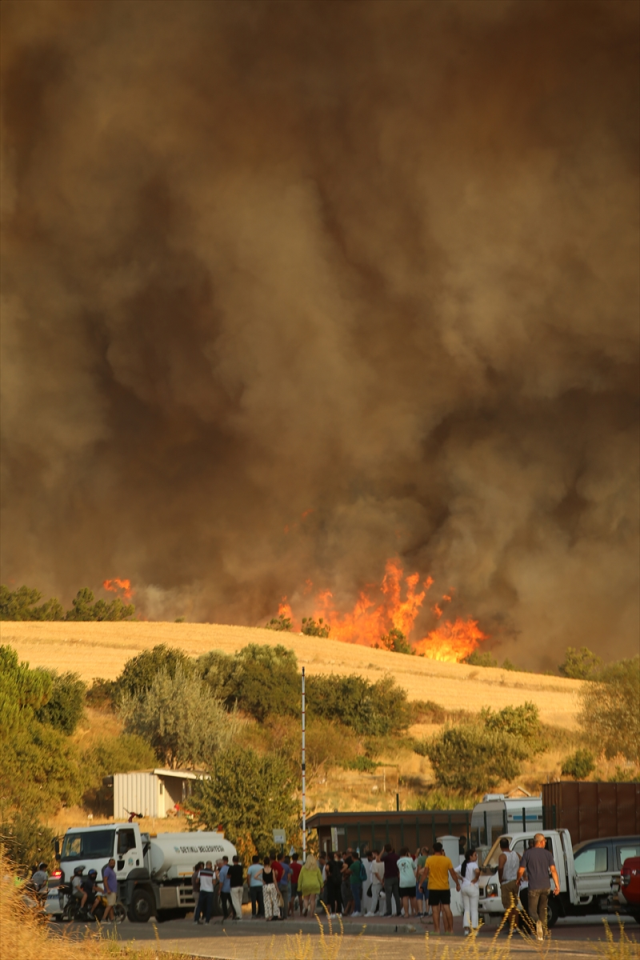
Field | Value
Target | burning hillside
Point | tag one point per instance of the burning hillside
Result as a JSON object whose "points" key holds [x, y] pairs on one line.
{"points": [[394, 607]]}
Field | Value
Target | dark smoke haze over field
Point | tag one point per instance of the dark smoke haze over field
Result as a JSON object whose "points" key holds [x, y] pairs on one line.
{"points": [[374, 260]]}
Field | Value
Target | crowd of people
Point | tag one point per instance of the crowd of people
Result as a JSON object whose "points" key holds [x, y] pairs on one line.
{"points": [[381, 883], [344, 884]]}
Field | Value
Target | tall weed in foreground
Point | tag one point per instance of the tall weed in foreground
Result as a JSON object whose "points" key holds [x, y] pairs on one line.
{"points": [[25, 933], [624, 948]]}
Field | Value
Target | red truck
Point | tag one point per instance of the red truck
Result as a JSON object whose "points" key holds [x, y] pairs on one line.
{"points": [[630, 885]]}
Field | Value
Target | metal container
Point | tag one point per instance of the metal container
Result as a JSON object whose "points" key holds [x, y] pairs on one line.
{"points": [[592, 810]]}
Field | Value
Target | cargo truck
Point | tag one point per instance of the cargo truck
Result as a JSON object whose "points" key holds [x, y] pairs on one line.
{"points": [[153, 871], [590, 809]]}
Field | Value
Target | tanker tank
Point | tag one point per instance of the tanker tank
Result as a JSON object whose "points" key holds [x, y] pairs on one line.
{"points": [[174, 855]]}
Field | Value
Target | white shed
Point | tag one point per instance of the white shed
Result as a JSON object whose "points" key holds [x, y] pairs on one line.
{"points": [[152, 793]]}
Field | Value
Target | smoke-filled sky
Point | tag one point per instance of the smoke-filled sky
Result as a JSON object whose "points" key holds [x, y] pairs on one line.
{"points": [[373, 260]]}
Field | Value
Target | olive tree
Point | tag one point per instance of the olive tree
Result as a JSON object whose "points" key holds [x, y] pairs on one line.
{"points": [[181, 718]]}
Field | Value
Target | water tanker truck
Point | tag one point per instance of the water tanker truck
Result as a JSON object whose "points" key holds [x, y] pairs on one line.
{"points": [[153, 871]]}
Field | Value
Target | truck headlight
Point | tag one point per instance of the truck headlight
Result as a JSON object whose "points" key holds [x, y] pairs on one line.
{"points": [[492, 890]]}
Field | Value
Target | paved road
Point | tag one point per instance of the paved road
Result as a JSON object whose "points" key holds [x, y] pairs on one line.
{"points": [[366, 940]]}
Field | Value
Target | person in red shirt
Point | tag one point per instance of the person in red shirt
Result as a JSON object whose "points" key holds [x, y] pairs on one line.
{"points": [[295, 873], [276, 866]]}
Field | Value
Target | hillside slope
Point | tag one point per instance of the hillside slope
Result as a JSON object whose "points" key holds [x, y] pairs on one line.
{"points": [[101, 649]]}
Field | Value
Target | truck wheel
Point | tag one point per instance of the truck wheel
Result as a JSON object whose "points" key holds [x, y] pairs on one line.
{"points": [[142, 907], [552, 912], [636, 916]]}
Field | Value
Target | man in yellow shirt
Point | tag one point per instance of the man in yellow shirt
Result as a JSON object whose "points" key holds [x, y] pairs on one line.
{"points": [[438, 870]]}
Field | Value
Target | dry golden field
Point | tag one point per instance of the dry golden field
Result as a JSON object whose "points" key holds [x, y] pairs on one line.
{"points": [[101, 649]]}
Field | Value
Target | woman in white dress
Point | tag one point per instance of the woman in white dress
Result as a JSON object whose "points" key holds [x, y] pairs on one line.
{"points": [[469, 874]]}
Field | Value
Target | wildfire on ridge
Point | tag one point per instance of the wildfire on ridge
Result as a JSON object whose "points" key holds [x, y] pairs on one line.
{"points": [[379, 610], [117, 585]]}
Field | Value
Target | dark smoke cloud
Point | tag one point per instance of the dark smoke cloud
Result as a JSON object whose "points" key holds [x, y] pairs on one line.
{"points": [[377, 260]]}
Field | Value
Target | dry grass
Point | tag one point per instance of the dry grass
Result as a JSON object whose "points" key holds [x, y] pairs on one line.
{"points": [[101, 649], [26, 935]]}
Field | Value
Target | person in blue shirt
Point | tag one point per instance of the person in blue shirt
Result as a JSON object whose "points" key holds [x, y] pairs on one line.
{"points": [[225, 889]]}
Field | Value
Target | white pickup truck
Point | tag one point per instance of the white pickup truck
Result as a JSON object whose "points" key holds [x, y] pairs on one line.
{"points": [[153, 871], [589, 874]]}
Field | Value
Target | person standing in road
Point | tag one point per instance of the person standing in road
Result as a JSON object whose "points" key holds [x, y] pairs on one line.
{"points": [[110, 886], [377, 880], [310, 884], [225, 889], [407, 882], [207, 877], [254, 876], [285, 887], [523, 889], [391, 879], [296, 867], [538, 863], [236, 881], [508, 864], [270, 891], [469, 874], [438, 869], [357, 875], [334, 884]]}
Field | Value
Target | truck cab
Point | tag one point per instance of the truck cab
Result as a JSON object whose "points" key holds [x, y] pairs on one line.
{"points": [[588, 875]]}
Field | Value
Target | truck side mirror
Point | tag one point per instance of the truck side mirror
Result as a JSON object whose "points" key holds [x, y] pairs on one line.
{"points": [[56, 847]]}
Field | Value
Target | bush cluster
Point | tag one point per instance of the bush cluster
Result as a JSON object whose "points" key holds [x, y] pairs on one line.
{"points": [[478, 756], [21, 604]]}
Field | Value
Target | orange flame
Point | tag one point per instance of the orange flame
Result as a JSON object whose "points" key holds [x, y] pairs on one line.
{"points": [[395, 604], [117, 584]]}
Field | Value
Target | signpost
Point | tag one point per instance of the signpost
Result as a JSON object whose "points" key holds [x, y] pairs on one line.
{"points": [[304, 775]]}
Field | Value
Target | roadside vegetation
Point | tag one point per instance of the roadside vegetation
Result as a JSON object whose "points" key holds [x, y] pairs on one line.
{"points": [[365, 741]]}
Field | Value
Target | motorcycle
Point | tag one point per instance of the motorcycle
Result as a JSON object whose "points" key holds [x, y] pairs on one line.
{"points": [[62, 905]]}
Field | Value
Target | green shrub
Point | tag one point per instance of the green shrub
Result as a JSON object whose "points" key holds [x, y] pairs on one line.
{"points": [[250, 795], [20, 605], [472, 758], [579, 765], [371, 709], [102, 693], [261, 680], [65, 706], [180, 718], [140, 672], [396, 641], [22, 690], [117, 755], [85, 607], [26, 840], [40, 769], [280, 623], [362, 763], [480, 659], [522, 722], [610, 714], [426, 711], [625, 776], [580, 664], [311, 628]]}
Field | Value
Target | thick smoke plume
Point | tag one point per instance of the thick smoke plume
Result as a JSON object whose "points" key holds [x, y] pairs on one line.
{"points": [[377, 261]]}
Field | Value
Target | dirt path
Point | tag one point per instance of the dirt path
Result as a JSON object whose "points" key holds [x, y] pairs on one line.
{"points": [[101, 649]]}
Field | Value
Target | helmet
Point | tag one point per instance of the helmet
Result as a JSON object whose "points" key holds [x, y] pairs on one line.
{"points": [[78, 871], [93, 873]]}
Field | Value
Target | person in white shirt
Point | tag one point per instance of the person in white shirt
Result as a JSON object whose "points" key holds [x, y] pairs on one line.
{"points": [[407, 872], [366, 899], [469, 872], [377, 882], [508, 866]]}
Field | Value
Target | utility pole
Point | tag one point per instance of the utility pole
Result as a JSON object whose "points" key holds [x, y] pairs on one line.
{"points": [[304, 774]]}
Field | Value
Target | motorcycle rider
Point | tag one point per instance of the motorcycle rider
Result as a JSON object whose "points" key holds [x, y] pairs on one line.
{"points": [[76, 883], [91, 894], [40, 878]]}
